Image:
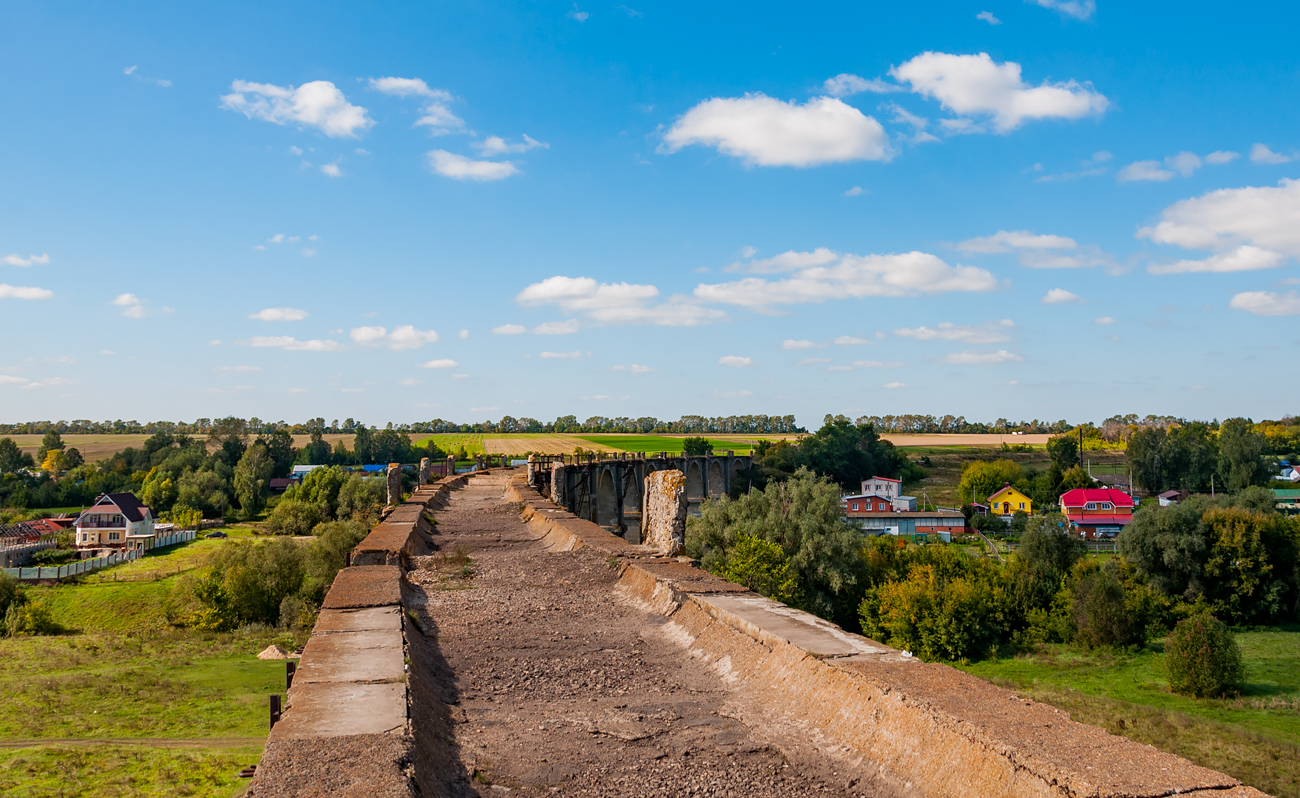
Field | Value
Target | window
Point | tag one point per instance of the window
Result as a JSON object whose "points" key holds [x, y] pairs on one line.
{"points": [[1022, 505], [112, 536], [1107, 506], [855, 505], [1090, 506]]}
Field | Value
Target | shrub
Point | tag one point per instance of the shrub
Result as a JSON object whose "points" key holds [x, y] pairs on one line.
{"points": [[1102, 612], [53, 556], [30, 618], [360, 497], [935, 615], [293, 517], [761, 566], [1202, 658]]}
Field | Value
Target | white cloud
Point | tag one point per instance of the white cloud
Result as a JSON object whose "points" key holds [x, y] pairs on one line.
{"points": [[810, 361], [1103, 320], [765, 131], [16, 260], [1058, 296], [970, 358], [847, 276], [1144, 170], [567, 327], [735, 361], [404, 337], [133, 307], [851, 340], [993, 332], [332, 170], [1219, 157], [435, 114], [6, 379], [237, 369], [1263, 217], [464, 334], [307, 253], [510, 329], [459, 167], [988, 17], [495, 145], [1267, 303], [317, 104], [1079, 9], [976, 85], [580, 16], [876, 364], [1244, 258], [633, 369], [846, 85], [893, 385], [130, 70], [1184, 163], [442, 363], [560, 355], [293, 344], [1260, 153], [615, 303], [23, 292], [295, 150], [410, 381], [856, 191], [1008, 240], [279, 314], [791, 344]]}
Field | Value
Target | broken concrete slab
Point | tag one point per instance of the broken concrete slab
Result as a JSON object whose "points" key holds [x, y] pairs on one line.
{"points": [[341, 709], [365, 586], [353, 657], [370, 619]]}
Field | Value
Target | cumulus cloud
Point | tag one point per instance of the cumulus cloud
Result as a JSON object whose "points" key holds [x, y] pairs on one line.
{"points": [[237, 369], [331, 170], [876, 364], [495, 145], [1059, 296], [17, 260], [441, 363], [510, 329], [1185, 163], [810, 361], [293, 344], [1260, 153], [633, 369], [132, 306], [851, 340], [435, 114], [1078, 9], [846, 85], [987, 16], [821, 275], [317, 104], [23, 292], [765, 131], [560, 355], [735, 361], [615, 303], [279, 314], [971, 358], [404, 337], [1244, 258], [1008, 240], [856, 191], [1220, 157], [1103, 320], [975, 85], [460, 167], [1249, 227], [791, 344], [1267, 303], [576, 14], [894, 385], [557, 328], [1144, 170], [993, 332]]}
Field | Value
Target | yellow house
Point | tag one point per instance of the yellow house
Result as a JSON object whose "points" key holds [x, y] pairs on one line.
{"points": [[1008, 501]]}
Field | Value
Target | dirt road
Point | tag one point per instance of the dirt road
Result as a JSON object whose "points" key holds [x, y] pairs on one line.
{"points": [[551, 683]]}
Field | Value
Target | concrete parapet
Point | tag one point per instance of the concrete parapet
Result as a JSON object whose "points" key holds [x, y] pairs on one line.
{"points": [[365, 586], [424, 471], [934, 728], [394, 482]]}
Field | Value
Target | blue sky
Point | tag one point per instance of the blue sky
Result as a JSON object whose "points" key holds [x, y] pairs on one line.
{"points": [[1025, 209]]}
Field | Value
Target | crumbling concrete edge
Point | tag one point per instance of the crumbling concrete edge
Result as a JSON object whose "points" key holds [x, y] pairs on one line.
{"points": [[857, 703]]}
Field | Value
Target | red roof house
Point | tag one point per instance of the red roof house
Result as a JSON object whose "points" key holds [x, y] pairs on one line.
{"points": [[1097, 512]]}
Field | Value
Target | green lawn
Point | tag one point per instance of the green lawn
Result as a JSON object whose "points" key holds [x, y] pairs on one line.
{"points": [[663, 443], [120, 672], [1255, 737], [451, 442]]}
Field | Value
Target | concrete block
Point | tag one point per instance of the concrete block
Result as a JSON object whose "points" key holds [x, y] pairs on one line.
{"points": [[424, 471], [772, 622], [394, 483], [341, 709], [370, 619], [364, 657], [365, 586], [663, 514]]}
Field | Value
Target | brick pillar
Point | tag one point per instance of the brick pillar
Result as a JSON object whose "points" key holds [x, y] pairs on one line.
{"points": [[394, 483]]}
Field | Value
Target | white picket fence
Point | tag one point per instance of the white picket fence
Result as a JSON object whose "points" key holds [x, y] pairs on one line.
{"points": [[86, 566]]}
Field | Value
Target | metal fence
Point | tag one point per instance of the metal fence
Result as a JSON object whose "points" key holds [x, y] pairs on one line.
{"points": [[50, 572]]}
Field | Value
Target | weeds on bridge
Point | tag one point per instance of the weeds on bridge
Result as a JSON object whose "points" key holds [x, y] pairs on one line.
{"points": [[454, 568]]}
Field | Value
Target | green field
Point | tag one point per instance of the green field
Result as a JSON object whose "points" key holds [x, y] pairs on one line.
{"points": [[196, 702], [1255, 738], [672, 444], [453, 441]]}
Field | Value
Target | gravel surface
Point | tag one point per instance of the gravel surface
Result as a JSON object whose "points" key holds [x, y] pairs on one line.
{"points": [[549, 683]]}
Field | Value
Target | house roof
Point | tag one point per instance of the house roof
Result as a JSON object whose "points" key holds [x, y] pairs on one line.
{"points": [[917, 514], [126, 503], [1081, 496], [884, 479], [1170, 494], [1005, 489]]}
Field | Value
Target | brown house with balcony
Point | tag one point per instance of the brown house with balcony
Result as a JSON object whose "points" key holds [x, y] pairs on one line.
{"points": [[115, 521]]}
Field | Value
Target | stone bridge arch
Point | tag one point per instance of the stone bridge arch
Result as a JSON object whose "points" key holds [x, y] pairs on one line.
{"points": [[606, 504], [718, 479], [694, 480]]}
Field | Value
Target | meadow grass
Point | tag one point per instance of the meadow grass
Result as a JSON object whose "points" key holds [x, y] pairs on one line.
{"points": [[452, 442], [121, 671], [1254, 737], [664, 443]]}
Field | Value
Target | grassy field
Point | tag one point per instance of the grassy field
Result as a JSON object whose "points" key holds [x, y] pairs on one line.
{"points": [[1255, 738], [672, 444], [179, 711]]}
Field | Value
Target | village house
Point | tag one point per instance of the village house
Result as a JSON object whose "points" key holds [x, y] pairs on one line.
{"points": [[943, 524], [883, 486], [866, 503], [1008, 501], [1097, 512], [115, 521]]}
